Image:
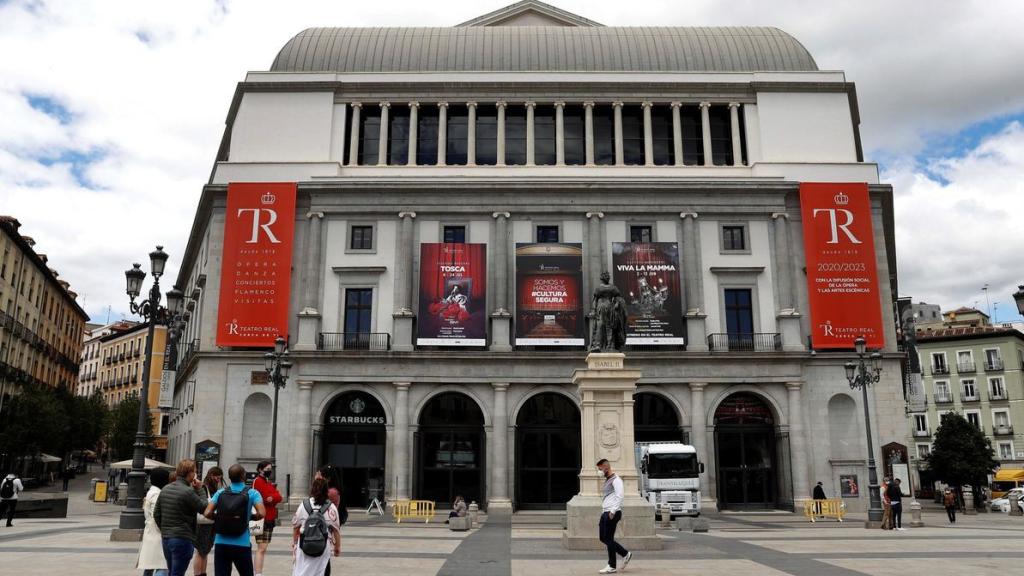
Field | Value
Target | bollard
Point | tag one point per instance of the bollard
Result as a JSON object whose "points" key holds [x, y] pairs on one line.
{"points": [[1015, 505], [915, 515], [474, 510], [666, 518], [969, 503]]}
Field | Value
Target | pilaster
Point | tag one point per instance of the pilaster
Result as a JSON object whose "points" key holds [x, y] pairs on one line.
{"points": [[705, 128]]}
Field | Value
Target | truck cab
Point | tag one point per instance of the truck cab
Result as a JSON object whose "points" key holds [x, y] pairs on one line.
{"points": [[670, 477]]}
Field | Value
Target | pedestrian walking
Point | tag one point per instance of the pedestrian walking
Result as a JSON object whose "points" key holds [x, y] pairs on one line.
{"points": [[271, 498], [315, 526], [949, 502], [819, 494], [231, 510], [151, 552], [111, 484], [66, 475], [895, 494], [175, 514], [213, 482], [886, 505], [10, 487], [611, 514]]}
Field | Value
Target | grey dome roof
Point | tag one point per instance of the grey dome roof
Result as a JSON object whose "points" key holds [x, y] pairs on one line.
{"points": [[543, 49]]}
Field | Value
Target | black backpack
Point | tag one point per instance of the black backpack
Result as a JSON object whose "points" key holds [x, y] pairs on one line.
{"points": [[313, 535], [232, 513], [7, 490]]}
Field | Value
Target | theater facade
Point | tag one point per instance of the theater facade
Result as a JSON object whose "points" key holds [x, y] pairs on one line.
{"points": [[424, 213]]}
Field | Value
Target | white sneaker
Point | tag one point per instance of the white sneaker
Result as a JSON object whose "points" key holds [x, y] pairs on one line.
{"points": [[626, 559], [901, 528], [607, 570]]}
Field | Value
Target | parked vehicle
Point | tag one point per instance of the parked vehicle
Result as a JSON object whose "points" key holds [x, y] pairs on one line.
{"points": [[1007, 479], [1002, 504], [670, 477]]}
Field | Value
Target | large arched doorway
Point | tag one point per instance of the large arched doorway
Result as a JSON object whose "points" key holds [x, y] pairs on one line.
{"points": [[450, 447], [354, 438], [547, 452], [655, 419], [745, 453]]}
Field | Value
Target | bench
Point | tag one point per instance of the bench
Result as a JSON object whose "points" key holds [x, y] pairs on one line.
{"points": [[460, 523], [413, 509], [831, 508]]}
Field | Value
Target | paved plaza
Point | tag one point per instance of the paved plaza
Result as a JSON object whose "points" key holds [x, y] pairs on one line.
{"points": [[737, 544]]}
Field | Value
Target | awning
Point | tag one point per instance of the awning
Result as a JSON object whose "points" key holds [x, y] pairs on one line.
{"points": [[1010, 475], [43, 457], [149, 465]]}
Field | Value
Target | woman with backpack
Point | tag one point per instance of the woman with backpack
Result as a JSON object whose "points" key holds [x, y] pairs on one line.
{"points": [[315, 527], [230, 509], [151, 553], [213, 482]]}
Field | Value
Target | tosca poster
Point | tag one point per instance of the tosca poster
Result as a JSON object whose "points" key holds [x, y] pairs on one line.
{"points": [[453, 295], [647, 274], [259, 226], [842, 281], [549, 279]]}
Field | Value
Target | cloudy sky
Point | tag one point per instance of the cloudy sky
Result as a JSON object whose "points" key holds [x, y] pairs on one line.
{"points": [[111, 113]]}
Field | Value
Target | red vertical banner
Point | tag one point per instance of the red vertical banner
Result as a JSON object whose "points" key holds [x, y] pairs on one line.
{"points": [[842, 277], [255, 280]]}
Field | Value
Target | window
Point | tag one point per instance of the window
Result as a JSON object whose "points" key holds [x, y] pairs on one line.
{"points": [[547, 234], [734, 238], [939, 363], [721, 135], [486, 135], [921, 423], [165, 424], [997, 388], [3, 263], [358, 316], [369, 135], [1006, 450], [942, 391], [398, 136], [640, 234], [515, 135], [923, 451], [604, 135], [544, 135], [693, 138], [739, 314], [574, 137], [974, 418], [964, 361], [1000, 419], [361, 238], [992, 359], [662, 136], [455, 234], [457, 135], [426, 135], [969, 390], [632, 135]]}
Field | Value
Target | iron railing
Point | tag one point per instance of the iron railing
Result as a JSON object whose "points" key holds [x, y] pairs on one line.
{"points": [[993, 364], [1002, 430], [751, 342], [940, 369], [943, 398], [373, 341], [922, 433], [966, 367]]}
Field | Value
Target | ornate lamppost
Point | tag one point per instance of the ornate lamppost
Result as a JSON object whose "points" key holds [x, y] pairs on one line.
{"points": [[278, 366], [860, 375], [1018, 297], [153, 313]]}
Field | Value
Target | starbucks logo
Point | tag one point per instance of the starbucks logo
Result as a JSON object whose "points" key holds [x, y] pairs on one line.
{"points": [[357, 406]]}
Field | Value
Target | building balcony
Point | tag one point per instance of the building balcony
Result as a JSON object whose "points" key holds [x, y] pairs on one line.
{"points": [[966, 367], [938, 370], [994, 365], [943, 398], [754, 342], [1000, 395], [372, 341], [922, 433], [973, 398], [1002, 430]]}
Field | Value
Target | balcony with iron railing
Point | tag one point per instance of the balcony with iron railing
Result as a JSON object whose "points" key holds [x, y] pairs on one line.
{"points": [[939, 369], [371, 341], [922, 433], [993, 364], [943, 398], [975, 397], [966, 367], [739, 342], [1002, 430], [997, 395]]}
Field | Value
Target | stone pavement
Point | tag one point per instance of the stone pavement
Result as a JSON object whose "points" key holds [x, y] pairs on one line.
{"points": [[737, 545]]}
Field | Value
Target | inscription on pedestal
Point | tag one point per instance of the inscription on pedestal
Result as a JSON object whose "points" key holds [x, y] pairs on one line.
{"points": [[605, 361]]}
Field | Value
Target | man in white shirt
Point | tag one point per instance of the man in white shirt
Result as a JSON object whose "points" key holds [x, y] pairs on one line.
{"points": [[10, 486], [611, 513]]}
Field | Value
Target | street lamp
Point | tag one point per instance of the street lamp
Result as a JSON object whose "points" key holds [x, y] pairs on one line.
{"points": [[1018, 297], [278, 366], [860, 375], [150, 309]]}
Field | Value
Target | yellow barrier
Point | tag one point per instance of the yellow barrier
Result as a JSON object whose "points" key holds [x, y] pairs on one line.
{"points": [[832, 508], [413, 509]]}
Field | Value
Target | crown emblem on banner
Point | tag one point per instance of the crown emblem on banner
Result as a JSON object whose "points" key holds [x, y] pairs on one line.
{"points": [[268, 198], [841, 199]]}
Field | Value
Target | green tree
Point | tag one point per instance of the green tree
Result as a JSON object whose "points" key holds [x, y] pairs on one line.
{"points": [[961, 454], [124, 421], [34, 421]]}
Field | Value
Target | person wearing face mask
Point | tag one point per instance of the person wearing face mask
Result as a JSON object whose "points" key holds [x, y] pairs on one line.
{"points": [[611, 513], [271, 498]]}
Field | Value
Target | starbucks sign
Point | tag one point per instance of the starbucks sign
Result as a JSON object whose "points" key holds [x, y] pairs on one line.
{"points": [[355, 409]]}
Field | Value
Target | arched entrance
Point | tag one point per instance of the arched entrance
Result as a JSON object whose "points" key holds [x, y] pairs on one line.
{"points": [[745, 453], [655, 419], [450, 449], [354, 438], [547, 452]]}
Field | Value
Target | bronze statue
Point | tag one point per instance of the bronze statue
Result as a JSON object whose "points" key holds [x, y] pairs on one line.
{"points": [[608, 317]]}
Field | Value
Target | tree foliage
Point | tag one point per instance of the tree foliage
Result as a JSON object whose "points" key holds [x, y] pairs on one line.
{"points": [[961, 454], [124, 421], [52, 420]]}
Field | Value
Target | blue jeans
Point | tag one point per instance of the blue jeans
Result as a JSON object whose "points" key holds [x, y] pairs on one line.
{"points": [[154, 572], [178, 554], [606, 531]]}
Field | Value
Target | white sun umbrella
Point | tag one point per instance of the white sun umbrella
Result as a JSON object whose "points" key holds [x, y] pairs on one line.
{"points": [[149, 465]]}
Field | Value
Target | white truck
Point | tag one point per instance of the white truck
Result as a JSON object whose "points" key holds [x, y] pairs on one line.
{"points": [[670, 477]]}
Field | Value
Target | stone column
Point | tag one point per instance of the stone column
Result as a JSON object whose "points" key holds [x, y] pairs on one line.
{"points": [[619, 160], [471, 135], [403, 315], [734, 120], [501, 318], [798, 446], [787, 317], [530, 135], [442, 133], [588, 125], [596, 250], [309, 317], [353, 143], [382, 143], [499, 460], [400, 447], [648, 136], [698, 432], [500, 105], [705, 128], [677, 133], [414, 114], [301, 457], [560, 133], [696, 335]]}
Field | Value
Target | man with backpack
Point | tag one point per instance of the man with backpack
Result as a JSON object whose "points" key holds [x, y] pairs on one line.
{"points": [[231, 510], [175, 514], [9, 489]]}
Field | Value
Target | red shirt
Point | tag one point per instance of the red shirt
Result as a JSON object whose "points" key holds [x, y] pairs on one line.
{"points": [[271, 497]]}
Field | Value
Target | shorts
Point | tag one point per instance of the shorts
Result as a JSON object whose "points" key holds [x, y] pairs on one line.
{"points": [[268, 534]]}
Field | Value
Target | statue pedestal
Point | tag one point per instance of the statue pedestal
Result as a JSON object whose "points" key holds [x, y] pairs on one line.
{"points": [[606, 389]]}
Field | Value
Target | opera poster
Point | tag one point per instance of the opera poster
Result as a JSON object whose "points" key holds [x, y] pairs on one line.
{"points": [[453, 295], [549, 280], [848, 487], [647, 274]]}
